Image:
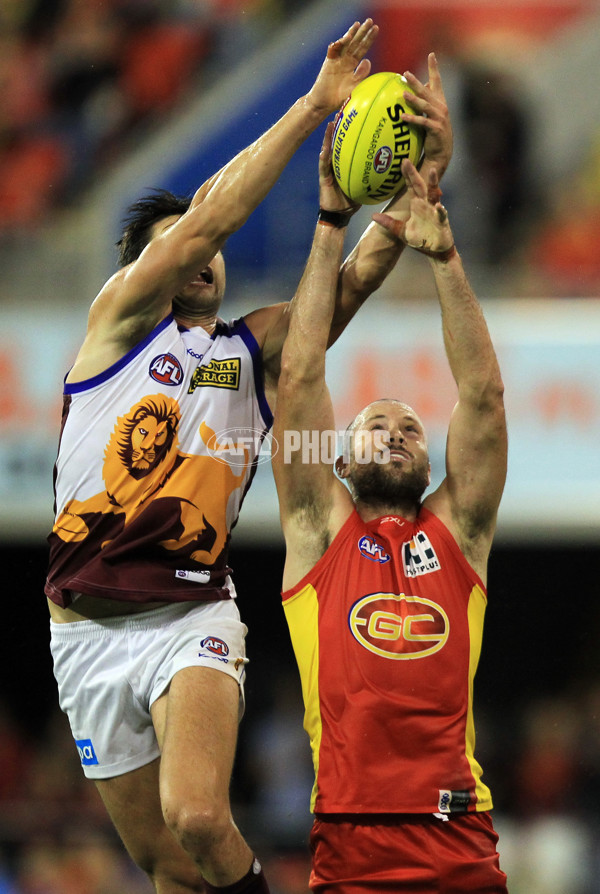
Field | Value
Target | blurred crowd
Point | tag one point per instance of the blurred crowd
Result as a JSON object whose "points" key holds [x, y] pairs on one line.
{"points": [[566, 247], [84, 81], [542, 761], [504, 213], [80, 80]]}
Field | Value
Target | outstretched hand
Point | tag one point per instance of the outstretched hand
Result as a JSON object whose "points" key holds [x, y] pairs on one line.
{"points": [[427, 228], [344, 67], [431, 113], [331, 196]]}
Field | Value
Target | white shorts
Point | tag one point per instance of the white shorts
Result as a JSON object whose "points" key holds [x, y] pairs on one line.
{"points": [[111, 670]]}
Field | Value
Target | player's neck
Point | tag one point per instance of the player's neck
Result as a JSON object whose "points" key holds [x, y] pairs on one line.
{"points": [[207, 320], [369, 510]]}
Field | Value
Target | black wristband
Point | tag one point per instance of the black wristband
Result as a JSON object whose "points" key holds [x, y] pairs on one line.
{"points": [[338, 219]]}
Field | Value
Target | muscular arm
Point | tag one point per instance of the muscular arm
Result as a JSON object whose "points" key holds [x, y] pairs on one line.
{"points": [[312, 501], [377, 251], [136, 298], [476, 450]]}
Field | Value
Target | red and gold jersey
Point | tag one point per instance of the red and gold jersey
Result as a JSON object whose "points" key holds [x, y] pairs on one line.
{"points": [[387, 630], [155, 456]]}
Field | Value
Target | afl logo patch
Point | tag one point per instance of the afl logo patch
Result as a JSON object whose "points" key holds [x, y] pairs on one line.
{"points": [[215, 645], [383, 159], [166, 369], [399, 627], [370, 549]]}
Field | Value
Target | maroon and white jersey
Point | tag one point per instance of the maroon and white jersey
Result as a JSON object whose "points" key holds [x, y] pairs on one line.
{"points": [[155, 456]]}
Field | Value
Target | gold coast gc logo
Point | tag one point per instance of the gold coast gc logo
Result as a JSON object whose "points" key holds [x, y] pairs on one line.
{"points": [[399, 627]]}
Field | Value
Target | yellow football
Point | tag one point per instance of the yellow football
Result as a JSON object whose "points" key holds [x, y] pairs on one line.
{"points": [[370, 139]]}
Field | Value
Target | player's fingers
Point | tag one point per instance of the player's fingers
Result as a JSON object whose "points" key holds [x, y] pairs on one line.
{"points": [[414, 82], [363, 38], [435, 79], [419, 120], [415, 102], [389, 223], [434, 193], [427, 107], [413, 179], [348, 36], [432, 177], [362, 70], [407, 174], [356, 41], [335, 48], [326, 144]]}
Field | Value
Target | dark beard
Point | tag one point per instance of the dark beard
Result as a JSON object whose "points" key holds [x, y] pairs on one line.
{"points": [[370, 484]]}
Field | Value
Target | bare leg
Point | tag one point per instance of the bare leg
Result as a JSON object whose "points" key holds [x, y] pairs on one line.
{"points": [[133, 803], [173, 814], [196, 724]]}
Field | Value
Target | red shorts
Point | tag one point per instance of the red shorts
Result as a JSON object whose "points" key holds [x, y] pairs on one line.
{"points": [[412, 854]]}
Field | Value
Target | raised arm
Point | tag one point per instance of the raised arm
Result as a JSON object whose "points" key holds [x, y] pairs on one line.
{"points": [[252, 173], [476, 451], [145, 289], [377, 251], [312, 501]]}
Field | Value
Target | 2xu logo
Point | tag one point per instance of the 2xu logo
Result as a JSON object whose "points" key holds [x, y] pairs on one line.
{"points": [[399, 627], [87, 755]]}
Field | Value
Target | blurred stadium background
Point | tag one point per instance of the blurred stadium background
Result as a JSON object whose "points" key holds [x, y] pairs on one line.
{"points": [[101, 99]]}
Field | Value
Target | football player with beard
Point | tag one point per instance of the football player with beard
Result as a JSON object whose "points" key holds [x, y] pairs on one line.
{"points": [[384, 588]]}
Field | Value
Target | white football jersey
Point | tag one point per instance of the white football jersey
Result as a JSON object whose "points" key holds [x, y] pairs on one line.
{"points": [[155, 456]]}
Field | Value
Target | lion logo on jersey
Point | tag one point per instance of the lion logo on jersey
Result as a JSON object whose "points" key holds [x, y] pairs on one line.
{"points": [[142, 462], [146, 436]]}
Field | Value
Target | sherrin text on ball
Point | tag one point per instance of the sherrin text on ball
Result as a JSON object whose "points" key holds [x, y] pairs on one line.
{"points": [[371, 140]]}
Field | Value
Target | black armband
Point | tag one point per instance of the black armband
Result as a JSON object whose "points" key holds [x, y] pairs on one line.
{"points": [[338, 219]]}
